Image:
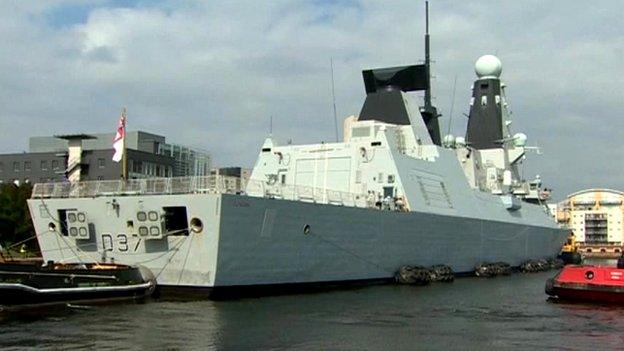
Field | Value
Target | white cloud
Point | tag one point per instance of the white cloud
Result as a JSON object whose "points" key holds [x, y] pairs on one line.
{"points": [[211, 74]]}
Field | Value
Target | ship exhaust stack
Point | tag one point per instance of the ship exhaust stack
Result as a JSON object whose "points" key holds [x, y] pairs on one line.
{"points": [[384, 101], [383, 93], [485, 121]]}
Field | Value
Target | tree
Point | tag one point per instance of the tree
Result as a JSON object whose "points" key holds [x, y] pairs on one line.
{"points": [[15, 222]]}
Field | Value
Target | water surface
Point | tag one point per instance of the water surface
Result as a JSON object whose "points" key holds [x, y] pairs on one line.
{"points": [[470, 314]]}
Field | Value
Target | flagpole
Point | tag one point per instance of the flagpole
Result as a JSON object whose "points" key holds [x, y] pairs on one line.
{"points": [[124, 157]]}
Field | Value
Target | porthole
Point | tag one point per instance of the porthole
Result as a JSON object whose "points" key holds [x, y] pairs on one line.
{"points": [[141, 216], [589, 275], [71, 217], [306, 229], [153, 216], [143, 231], [73, 231], [154, 230], [52, 227], [81, 217], [196, 225]]}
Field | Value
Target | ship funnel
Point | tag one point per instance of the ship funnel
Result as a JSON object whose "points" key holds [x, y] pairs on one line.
{"points": [[384, 87], [485, 121], [384, 100]]}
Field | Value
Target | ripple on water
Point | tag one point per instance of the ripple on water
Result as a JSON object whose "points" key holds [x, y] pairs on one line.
{"points": [[506, 313]]}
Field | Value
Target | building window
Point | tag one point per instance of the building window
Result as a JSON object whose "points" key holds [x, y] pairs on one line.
{"points": [[16, 166], [137, 167], [44, 165], [101, 163], [55, 165], [27, 166]]}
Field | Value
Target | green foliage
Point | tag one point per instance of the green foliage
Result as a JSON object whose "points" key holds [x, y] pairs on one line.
{"points": [[15, 222]]}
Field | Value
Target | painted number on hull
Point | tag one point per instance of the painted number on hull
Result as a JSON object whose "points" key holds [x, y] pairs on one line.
{"points": [[108, 244]]}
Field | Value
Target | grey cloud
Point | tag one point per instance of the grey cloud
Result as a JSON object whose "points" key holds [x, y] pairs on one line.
{"points": [[211, 73]]}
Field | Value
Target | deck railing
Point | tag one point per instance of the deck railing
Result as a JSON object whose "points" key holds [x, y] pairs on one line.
{"points": [[195, 185], [148, 186]]}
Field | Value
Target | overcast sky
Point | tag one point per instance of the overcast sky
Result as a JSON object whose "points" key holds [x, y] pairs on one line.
{"points": [[211, 73]]}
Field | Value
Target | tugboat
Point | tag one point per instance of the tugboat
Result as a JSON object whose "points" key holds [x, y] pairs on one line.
{"points": [[569, 252], [589, 283], [26, 285]]}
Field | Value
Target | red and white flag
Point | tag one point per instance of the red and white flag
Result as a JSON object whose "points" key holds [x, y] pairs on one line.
{"points": [[118, 141]]}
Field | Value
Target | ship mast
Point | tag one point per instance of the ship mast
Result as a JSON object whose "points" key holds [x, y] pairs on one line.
{"points": [[428, 105], [429, 112]]}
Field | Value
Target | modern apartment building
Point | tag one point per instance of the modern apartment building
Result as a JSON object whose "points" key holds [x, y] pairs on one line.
{"points": [[596, 217], [149, 155]]}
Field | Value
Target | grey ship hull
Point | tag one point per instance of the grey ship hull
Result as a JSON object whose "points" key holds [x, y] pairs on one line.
{"points": [[347, 243], [250, 241]]}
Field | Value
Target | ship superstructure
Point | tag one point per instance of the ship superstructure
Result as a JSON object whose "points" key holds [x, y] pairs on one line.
{"points": [[387, 195]]}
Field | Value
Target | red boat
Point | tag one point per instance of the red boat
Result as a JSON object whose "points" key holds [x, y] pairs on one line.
{"points": [[588, 283]]}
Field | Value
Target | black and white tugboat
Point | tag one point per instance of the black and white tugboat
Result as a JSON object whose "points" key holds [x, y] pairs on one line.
{"points": [[27, 285]]}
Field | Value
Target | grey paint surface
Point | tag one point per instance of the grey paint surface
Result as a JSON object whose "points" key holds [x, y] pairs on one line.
{"points": [[250, 240]]}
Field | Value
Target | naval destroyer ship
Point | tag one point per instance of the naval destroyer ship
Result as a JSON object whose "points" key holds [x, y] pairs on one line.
{"points": [[392, 193]]}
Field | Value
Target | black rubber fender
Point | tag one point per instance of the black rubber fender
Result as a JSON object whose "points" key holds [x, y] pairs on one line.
{"points": [[550, 287]]}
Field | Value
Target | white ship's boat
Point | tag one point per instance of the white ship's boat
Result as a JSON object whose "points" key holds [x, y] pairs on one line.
{"points": [[392, 193]]}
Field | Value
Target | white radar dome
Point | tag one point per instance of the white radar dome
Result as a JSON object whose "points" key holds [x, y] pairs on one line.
{"points": [[488, 66], [448, 141], [520, 139]]}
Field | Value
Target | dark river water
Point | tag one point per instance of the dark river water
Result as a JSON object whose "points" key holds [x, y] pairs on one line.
{"points": [[469, 314]]}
